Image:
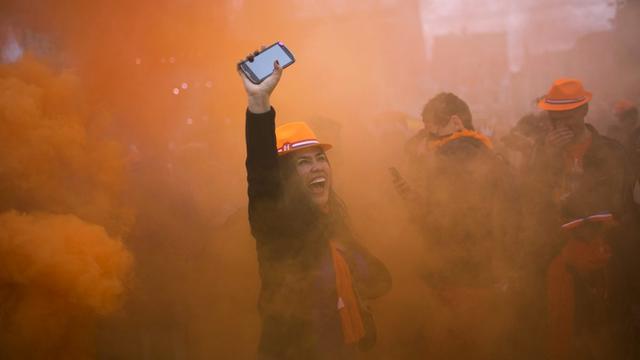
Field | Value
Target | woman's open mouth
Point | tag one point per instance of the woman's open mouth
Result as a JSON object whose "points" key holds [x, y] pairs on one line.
{"points": [[317, 185]]}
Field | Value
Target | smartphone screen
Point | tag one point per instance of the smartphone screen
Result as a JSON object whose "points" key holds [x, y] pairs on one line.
{"points": [[262, 65]]}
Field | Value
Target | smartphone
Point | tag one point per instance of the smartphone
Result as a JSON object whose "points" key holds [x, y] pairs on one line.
{"points": [[260, 66]]}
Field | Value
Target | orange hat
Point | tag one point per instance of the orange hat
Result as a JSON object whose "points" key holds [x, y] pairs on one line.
{"points": [[565, 94], [296, 135], [622, 106]]}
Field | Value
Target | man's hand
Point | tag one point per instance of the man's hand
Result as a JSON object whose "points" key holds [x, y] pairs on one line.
{"points": [[558, 138], [258, 94], [412, 199], [402, 187]]}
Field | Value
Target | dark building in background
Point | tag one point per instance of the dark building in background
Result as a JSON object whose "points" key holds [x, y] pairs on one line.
{"points": [[605, 61]]}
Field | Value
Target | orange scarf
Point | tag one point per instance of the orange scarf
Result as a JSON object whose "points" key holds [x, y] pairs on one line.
{"points": [[561, 296], [573, 165], [348, 306], [575, 153], [434, 145]]}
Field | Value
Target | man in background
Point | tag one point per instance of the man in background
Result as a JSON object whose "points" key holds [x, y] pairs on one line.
{"points": [[459, 200], [579, 177]]}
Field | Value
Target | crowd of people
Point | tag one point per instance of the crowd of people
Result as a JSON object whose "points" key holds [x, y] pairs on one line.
{"points": [[545, 251], [530, 261]]}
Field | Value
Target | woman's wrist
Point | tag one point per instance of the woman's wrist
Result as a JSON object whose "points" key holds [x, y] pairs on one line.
{"points": [[259, 103]]}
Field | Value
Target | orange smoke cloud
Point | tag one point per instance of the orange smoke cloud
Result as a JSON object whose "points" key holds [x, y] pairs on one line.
{"points": [[50, 159], [62, 262], [196, 269], [66, 255], [56, 268]]}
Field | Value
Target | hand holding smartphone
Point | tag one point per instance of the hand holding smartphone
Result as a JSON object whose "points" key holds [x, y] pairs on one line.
{"points": [[260, 72], [259, 66]]}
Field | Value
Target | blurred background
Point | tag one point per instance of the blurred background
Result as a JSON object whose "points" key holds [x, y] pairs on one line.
{"points": [[122, 143]]}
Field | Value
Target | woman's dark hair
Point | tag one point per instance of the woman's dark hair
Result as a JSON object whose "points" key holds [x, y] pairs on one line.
{"points": [[298, 202]]}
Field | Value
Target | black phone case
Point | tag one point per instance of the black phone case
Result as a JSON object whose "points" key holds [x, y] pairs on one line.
{"points": [[247, 71], [252, 77]]}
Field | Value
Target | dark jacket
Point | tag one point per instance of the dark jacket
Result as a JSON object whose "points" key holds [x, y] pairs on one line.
{"points": [[466, 215], [603, 185], [298, 301], [633, 150]]}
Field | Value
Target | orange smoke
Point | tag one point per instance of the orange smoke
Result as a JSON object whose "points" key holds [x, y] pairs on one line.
{"points": [[56, 268], [65, 255], [50, 158], [63, 265], [196, 270]]}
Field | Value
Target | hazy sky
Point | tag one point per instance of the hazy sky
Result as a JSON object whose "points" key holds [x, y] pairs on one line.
{"points": [[538, 25]]}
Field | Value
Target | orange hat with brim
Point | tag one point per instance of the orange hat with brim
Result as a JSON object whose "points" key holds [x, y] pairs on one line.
{"points": [[565, 94], [295, 136]]}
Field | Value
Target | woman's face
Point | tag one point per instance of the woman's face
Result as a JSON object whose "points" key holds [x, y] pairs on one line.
{"points": [[314, 171]]}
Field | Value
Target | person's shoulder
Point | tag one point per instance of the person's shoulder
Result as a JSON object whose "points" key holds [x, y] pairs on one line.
{"points": [[463, 146], [611, 147], [611, 144], [416, 142]]}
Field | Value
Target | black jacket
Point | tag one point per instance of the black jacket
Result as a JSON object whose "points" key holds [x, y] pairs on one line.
{"points": [[603, 186], [464, 214], [298, 300]]}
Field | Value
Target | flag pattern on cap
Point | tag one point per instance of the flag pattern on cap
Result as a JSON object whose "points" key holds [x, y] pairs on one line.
{"points": [[297, 144], [564, 101], [296, 135]]}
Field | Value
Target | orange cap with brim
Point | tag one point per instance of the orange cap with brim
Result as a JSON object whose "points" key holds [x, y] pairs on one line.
{"points": [[565, 94], [295, 136]]}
